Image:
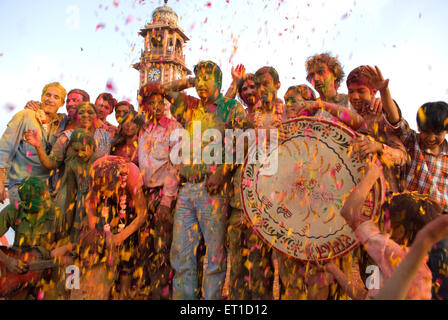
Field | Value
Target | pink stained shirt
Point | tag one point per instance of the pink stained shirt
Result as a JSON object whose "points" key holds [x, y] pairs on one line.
{"points": [[154, 148], [387, 254]]}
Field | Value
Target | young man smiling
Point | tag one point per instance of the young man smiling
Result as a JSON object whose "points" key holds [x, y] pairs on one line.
{"points": [[325, 73], [426, 171], [20, 157], [363, 83]]}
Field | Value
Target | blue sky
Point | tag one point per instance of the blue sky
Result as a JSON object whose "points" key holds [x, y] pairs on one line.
{"points": [[48, 40]]}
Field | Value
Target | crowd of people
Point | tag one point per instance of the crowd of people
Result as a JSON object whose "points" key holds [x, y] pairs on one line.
{"points": [[111, 201]]}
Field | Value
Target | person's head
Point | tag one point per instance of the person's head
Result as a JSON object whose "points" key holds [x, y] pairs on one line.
{"points": [[128, 128], [34, 195], [105, 104], [74, 98], [208, 80], [432, 123], [408, 212], [325, 73], [151, 100], [92, 247], [247, 90], [85, 115], [53, 97], [268, 83], [294, 97], [108, 176], [122, 108], [83, 144], [131, 124], [360, 88]]}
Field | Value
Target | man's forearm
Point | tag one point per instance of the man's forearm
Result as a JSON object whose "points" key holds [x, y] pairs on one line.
{"points": [[347, 116], [356, 199], [399, 283], [179, 85], [389, 106], [231, 92], [45, 159], [172, 89], [352, 288]]}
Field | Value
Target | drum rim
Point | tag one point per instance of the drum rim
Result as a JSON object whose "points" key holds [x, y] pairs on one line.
{"points": [[353, 134]]}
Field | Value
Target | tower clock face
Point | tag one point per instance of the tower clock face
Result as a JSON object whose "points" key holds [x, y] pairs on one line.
{"points": [[178, 75], [154, 74]]}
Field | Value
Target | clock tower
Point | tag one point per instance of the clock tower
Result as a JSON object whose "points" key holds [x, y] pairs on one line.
{"points": [[162, 60]]}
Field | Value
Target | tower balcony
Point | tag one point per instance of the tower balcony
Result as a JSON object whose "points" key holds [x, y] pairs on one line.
{"points": [[157, 54]]}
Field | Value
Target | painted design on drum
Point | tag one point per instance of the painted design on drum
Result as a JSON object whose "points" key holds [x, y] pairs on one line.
{"points": [[297, 210]]}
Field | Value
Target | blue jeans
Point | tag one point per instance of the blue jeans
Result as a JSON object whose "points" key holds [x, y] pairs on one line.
{"points": [[198, 214]]}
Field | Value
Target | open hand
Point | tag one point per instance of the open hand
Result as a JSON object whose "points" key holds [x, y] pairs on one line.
{"points": [[366, 145], [32, 105], [238, 72], [374, 167], [377, 78], [32, 137]]}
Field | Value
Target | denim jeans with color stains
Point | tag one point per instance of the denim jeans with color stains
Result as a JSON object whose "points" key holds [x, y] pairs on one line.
{"points": [[198, 214]]}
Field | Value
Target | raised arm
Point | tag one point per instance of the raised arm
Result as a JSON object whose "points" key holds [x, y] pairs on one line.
{"points": [[344, 114], [173, 88], [237, 75], [33, 138], [389, 106], [399, 283], [352, 205], [347, 116]]}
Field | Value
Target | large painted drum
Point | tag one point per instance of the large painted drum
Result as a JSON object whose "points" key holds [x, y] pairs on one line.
{"points": [[296, 209]]}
